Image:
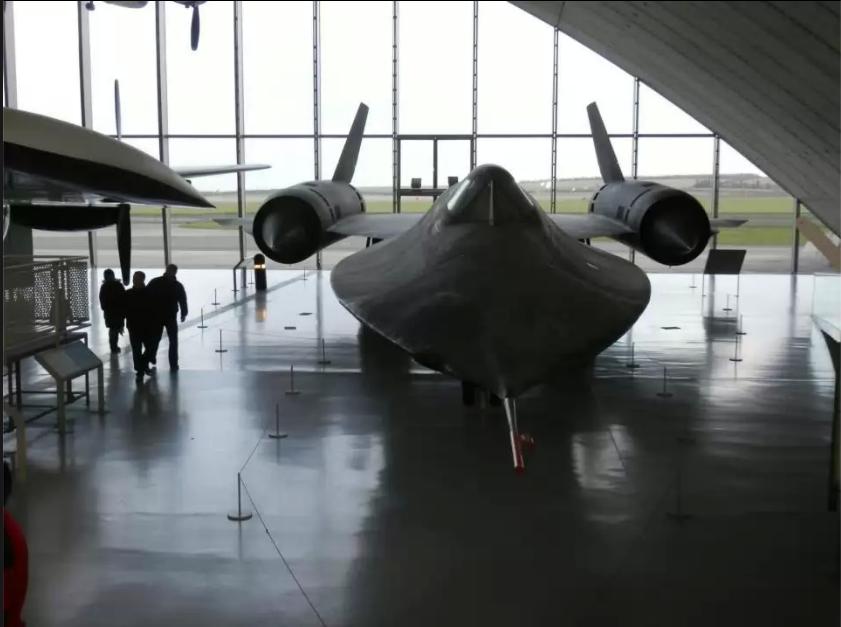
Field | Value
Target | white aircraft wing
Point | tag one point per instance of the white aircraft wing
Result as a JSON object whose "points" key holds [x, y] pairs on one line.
{"points": [[209, 170], [201, 222]]}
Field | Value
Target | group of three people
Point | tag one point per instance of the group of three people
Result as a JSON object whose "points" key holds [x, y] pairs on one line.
{"points": [[146, 310]]}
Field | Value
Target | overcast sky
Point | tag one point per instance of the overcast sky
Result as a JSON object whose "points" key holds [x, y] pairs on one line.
{"points": [[515, 87]]}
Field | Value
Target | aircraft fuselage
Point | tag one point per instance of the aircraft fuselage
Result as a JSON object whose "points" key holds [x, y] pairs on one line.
{"points": [[486, 288]]}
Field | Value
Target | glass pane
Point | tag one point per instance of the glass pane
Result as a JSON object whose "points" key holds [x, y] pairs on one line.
{"points": [[436, 67], [292, 163], [197, 241], [48, 75], [812, 260], [205, 152], [123, 48], [453, 160], [277, 67], [146, 229], [373, 169], [515, 84], [746, 192], [683, 163], [658, 115], [357, 69], [416, 162], [55, 243], [578, 171], [585, 77], [532, 166], [201, 82]]}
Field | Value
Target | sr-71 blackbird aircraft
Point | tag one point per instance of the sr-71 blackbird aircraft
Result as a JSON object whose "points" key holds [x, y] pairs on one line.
{"points": [[485, 286], [62, 177]]}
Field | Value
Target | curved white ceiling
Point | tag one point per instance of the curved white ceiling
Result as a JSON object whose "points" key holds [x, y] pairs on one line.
{"points": [[763, 75]]}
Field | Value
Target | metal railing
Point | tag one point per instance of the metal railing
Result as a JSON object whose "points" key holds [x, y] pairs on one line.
{"points": [[43, 296]]}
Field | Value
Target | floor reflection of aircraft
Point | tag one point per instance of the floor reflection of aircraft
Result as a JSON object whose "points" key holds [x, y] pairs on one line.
{"points": [[62, 177], [485, 286]]}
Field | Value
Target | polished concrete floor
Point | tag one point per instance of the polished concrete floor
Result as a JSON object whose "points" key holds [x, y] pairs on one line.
{"points": [[391, 504]]}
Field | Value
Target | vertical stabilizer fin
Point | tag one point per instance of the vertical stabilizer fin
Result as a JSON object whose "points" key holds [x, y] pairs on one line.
{"points": [[350, 152], [608, 165]]}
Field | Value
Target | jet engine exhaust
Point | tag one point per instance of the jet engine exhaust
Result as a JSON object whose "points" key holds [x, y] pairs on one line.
{"points": [[287, 230], [675, 230]]}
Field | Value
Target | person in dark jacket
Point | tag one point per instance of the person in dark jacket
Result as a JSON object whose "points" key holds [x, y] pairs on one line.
{"points": [[168, 296], [111, 296], [141, 323]]}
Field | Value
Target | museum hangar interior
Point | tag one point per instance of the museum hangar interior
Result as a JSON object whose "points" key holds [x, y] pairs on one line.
{"points": [[503, 313]]}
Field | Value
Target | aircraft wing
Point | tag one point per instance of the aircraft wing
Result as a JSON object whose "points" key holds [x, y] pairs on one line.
{"points": [[577, 225], [210, 170], [386, 225], [72, 158], [587, 225], [376, 225], [234, 223], [725, 223]]}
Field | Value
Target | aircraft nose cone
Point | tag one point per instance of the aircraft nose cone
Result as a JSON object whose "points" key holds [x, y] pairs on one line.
{"points": [[490, 195]]}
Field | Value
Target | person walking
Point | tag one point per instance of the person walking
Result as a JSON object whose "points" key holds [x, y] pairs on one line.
{"points": [[141, 322], [168, 296], [111, 300]]}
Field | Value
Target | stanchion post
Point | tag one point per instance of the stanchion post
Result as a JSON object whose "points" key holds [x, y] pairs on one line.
{"points": [[215, 300], [728, 307], [693, 286], [632, 364], [239, 515], [202, 325], [277, 435], [323, 361], [292, 391], [664, 393], [736, 356], [220, 349], [741, 330]]}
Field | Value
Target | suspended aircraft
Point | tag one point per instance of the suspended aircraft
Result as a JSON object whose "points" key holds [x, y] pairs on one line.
{"points": [[62, 177], [485, 286], [195, 21]]}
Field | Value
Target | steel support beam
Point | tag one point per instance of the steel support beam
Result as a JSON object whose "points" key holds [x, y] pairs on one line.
{"points": [[716, 181], [475, 84], [163, 116], [83, 19], [316, 97], [240, 122], [10, 83], [553, 199], [795, 247], [635, 145], [395, 106]]}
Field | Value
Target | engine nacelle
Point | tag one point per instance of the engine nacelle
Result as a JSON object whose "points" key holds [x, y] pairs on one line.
{"points": [[669, 225], [292, 224]]}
